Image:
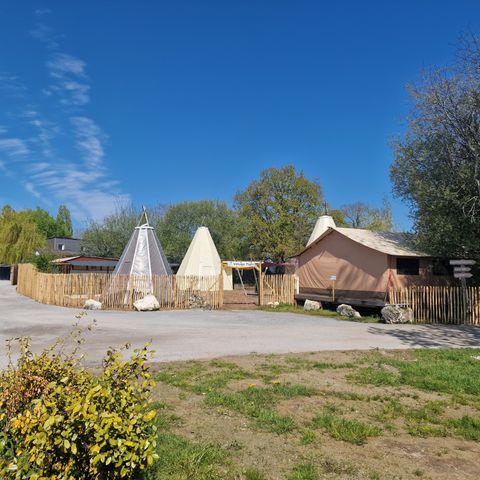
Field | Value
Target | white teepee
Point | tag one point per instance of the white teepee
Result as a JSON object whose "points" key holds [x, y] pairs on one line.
{"points": [[202, 259], [142, 258], [323, 223], [143, 254]]}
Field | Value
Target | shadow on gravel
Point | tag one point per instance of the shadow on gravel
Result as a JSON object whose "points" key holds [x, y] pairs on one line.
{"points": [[433, 335]]}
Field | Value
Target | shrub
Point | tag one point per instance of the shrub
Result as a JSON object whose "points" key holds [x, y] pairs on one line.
{"points": [[59, 421]]}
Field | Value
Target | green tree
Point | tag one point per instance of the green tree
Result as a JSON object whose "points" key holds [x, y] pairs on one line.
{"points": [[437, 162], [46, 224], [63, 223], [109, 237], [177, 227], [279, 211], [20, 236], [360, 215]]}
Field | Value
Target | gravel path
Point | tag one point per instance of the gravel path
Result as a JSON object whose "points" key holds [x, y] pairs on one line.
{"points": [[195, 334]]}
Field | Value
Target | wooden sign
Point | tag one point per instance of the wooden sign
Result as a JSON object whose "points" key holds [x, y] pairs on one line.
{"points": [[462, 262], [461, 269], [462, 275]]}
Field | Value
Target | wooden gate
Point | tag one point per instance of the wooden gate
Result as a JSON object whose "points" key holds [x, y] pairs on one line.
{"points": [[277, 288]]}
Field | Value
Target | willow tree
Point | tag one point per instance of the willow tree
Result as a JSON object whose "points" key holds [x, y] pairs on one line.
{"points": [[20, 236], [279, 211]]}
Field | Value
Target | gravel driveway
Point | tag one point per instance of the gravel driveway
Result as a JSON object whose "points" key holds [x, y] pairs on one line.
{"points": [[195, 334]]}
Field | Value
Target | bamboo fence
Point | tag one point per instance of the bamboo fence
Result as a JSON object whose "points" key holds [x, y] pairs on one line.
{"points": [[277, 288], [453, 305], [119, 292]]}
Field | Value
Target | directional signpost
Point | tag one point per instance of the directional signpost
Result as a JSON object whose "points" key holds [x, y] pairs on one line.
{"points": [[461, 270]]}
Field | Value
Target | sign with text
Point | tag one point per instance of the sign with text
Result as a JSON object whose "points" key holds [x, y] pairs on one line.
{"points": [[462, 275], [462, 262], [333, 277], [241, 264]]}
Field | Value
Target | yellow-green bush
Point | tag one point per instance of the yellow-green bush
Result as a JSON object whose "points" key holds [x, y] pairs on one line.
{"points": [[59, 421]]}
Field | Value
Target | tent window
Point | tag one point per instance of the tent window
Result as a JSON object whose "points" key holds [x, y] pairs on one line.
{"points": [[408, 266]]}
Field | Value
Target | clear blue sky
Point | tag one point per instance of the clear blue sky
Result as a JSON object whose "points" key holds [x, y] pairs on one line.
{"points": [[159, 102]]}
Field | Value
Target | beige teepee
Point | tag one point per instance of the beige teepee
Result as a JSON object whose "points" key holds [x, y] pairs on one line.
{"points": [[202, 259]]}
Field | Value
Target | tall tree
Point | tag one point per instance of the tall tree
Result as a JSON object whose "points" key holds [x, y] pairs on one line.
{"points": [[20, 236], [46, 224], [437, 163], [109, 237], [64, 223], [360, 215], [279, 211], [177, 227]]}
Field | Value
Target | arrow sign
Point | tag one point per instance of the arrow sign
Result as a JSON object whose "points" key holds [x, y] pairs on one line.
{"points": [[461, 269], [462, 262], [462, 275]]}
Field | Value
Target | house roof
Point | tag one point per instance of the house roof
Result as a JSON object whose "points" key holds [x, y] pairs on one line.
{"points": [[82, 260], [390, 243]]}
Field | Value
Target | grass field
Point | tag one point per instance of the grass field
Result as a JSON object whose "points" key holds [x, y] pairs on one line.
{"points": [[323, 312], [340, 415]]}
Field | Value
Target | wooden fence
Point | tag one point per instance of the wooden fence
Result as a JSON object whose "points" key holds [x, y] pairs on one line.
{"points": [[277, 288], [454, 305], [119, 292]]}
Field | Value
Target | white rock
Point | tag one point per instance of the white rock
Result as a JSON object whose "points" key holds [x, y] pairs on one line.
{"points": [[312, 305], [396, 314], [147, 303], [347, 311], [92, 305]]}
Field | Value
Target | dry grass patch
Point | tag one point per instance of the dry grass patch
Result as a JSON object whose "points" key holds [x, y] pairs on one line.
{"points": [[345, 415]]}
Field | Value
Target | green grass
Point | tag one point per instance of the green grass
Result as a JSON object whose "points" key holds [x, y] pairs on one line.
{"points": [[453, 371], [305, 471], [196, 377], [257, 403], [466, 427], [321, 313], [183, 459], [352, 431], [254, 474], [308, 437]]}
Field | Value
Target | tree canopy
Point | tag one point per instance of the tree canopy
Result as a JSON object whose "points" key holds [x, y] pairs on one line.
{"points": [[279, 211], [20, 235], [177, 227], [437, 163], [360, 215], [109, 237]]}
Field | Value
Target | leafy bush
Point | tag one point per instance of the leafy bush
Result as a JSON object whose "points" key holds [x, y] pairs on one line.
{"points": [[59, 421]]}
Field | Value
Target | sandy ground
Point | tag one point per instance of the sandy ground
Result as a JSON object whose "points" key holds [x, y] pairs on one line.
{"points": [[197, 334]]}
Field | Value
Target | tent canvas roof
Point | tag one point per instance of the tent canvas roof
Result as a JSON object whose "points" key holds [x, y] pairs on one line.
{"points": [[390, 243], [143, 254], [202, 257]]}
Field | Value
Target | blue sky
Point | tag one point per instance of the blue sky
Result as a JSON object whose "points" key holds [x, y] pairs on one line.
{"points": [[156, 102]]}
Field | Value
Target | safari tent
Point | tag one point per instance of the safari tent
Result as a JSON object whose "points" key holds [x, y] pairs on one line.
{"points": [[202, 259], [360, 267]]}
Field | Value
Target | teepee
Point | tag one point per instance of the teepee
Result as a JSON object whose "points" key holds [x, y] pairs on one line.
{"points": [[202, 259], [323, 224], [143, 254], [142, 258]]}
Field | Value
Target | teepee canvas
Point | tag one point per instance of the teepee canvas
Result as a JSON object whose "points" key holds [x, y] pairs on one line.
{"points": [[142, 258], [143, 254], [323, 223], [202, 259]]}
